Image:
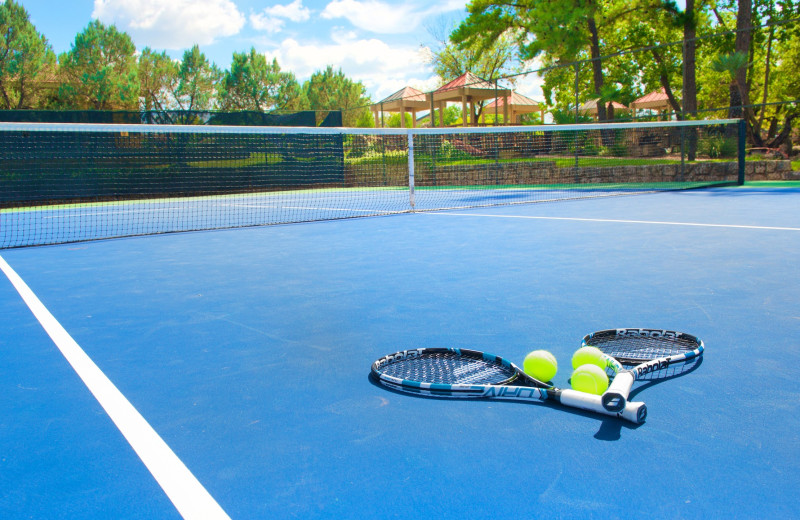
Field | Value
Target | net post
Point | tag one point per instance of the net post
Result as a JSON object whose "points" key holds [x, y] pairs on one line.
{"points": [[411, 200], [742, 147]]}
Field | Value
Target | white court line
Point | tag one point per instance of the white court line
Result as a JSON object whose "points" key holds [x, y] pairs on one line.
{"points": [[347, 210], [694, 224], [187, 494]]}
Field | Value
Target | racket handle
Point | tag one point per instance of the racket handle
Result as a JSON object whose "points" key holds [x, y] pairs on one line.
{"points": [[615, 397], [633, 412]]}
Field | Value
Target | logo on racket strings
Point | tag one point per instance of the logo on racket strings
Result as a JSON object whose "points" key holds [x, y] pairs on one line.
{"points": [[652, 367], [650, 333], [406, 354]]}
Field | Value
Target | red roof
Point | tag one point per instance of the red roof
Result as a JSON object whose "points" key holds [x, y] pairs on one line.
{"points": [[658, 95], [516, 99], [467, 79], [654, 99], [408, 93], [591, 106]]}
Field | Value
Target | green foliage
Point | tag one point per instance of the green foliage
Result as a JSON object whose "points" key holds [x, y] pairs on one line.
{"points": [[332, 90], [24, 54], [102, 70], [197, 81], [158, 76], [450, 151], [99, 71], [554, 27], [452, 116], [393, 121], [254, 84], [387, 157], [489, 60], [567, 117], [729, 63], [365, 119], [717, 147]]}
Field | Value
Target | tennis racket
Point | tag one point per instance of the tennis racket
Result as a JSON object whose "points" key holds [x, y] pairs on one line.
{"points": [[649, 353], [461, 373]]}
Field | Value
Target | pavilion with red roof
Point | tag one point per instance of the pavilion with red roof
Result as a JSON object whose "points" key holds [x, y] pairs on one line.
{"points": [[517, 106], [657, 100], [407, 99], [590, 107], [467, 89]]}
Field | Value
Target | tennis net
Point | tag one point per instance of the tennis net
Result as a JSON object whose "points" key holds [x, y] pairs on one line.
{"points": [[63, 183]]}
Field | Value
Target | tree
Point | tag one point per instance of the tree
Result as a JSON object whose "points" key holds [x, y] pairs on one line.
{"points": [[254, 84], [561, 32], [197, 80], [158, 76], [99, 71], [740, 96], [771, 73], [25, 55], [332, 90], [752, 68], [450, 60]]}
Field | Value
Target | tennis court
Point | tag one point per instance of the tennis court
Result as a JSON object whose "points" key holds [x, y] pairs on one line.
{"points": [[225, 372]]}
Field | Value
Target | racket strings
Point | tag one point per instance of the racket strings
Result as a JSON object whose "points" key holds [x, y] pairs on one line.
{"points": [[449, 368], [673, 370], [641, 349]]}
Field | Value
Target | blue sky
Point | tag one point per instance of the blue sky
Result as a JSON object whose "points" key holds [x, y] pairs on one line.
{"points": [[378, 42]]}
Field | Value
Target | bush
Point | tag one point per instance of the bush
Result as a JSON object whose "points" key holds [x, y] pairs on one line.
{"points": [[718, 147]]}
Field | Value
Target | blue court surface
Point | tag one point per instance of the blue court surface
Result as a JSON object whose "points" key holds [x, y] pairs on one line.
{"points": [[225, 373]]}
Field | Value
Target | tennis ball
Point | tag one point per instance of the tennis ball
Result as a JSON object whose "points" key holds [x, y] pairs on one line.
{"points": [[541, 365], [588, 356], [590, 379]]}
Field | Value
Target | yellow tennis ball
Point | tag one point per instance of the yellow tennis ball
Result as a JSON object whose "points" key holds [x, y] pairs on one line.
{"points": [[590, 379], [541, 365], [588, 356]]}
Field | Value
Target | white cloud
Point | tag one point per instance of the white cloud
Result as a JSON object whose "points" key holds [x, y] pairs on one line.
{"points": [[272, 19], [381, 67], [171, 24], [262, 22], [387, 18], [530, 84], [293, 11]]}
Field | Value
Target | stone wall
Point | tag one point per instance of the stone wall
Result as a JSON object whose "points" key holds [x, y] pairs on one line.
{"points": [[541, 173], [770, 171]]}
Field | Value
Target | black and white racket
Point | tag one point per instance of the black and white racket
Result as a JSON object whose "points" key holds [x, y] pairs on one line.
{"points": [[648, 352], [461, 373]]}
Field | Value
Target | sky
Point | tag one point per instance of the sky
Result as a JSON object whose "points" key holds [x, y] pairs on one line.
{"points": [[378, 42]]}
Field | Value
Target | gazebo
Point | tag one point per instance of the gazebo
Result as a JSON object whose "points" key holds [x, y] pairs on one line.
{"points": [[467, 89], [517, 106], [407, 99], [590, 107], [657, 100]]}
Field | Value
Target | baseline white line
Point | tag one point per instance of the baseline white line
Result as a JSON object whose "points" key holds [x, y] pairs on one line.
{"points": [[188, 495], [693, 224]]}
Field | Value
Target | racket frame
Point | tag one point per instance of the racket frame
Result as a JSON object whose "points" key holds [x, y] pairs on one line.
{"points": [[518, 387], [616, 395]]}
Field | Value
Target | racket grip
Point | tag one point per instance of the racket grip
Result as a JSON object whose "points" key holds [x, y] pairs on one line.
{"points": [[634, 412], [616, 395]]}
